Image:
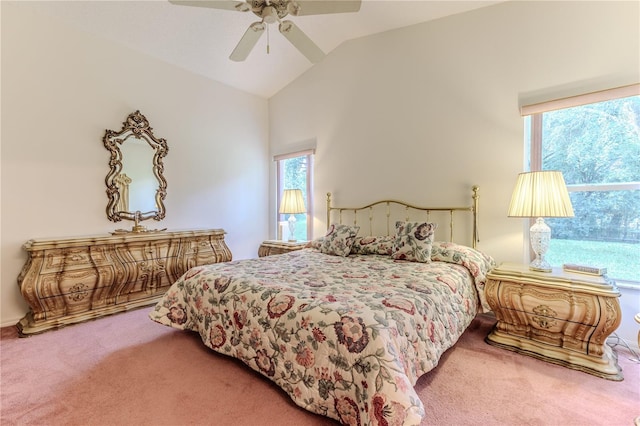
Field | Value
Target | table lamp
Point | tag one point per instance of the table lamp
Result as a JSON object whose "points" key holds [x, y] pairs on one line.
{"points": [[540, 194], [292, 203]]}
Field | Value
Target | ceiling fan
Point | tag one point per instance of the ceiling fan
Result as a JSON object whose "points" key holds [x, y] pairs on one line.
{"points": [[271, 11]]}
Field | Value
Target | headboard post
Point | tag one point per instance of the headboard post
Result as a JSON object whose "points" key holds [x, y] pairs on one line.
{"points": [[328, 209], [475, 196]]}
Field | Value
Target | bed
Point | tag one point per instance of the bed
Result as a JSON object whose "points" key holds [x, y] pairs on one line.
{"points": [[347, 325]]}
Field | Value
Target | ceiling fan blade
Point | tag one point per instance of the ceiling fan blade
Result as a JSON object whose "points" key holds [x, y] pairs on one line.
{"points": [[319, 7], [240, 6], [300, 40], [247, 42]]}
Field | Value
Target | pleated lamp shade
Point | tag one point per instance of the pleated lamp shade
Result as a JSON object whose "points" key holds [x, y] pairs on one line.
{"points": [[540, 194], [292, 202]]}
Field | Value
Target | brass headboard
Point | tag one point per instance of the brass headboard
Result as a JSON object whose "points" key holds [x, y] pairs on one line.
{"points": [[397, 208]]}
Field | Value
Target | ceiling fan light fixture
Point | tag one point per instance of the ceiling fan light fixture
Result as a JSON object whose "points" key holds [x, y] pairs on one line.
{"points": [[272, 11], [269, 15], [293, 8], [242, 7]]}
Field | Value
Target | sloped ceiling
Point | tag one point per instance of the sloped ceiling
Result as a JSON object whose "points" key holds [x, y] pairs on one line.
{"points": [[201, 39]]}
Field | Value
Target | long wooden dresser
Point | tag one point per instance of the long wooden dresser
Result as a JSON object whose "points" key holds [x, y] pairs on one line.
{"points": [[70, 280]]}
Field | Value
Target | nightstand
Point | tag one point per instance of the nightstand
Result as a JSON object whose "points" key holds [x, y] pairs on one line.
{"points": [[271, 247], [559, 317]]}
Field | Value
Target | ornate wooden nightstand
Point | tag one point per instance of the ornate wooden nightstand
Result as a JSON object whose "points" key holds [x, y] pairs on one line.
{"points": [[271, 247], [560, 317]]}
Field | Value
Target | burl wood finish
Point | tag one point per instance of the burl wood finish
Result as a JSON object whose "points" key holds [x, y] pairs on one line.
{"points": [[71, 280], [561, 317], [273, 247]]}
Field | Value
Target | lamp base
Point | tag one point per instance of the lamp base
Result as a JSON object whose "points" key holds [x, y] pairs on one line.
{"points": [[540, 235], [540, 265], [292, 229]]}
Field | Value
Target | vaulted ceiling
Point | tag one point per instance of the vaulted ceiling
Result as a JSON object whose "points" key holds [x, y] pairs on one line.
{"points": [[201, 39]]}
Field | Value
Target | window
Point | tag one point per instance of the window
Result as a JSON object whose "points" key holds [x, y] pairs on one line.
{"points": [[595, 141], [295, 171]]}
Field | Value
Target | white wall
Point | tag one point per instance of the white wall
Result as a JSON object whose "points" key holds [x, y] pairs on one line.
{"points": [[420, 113], [425, 112], [61, 89]]}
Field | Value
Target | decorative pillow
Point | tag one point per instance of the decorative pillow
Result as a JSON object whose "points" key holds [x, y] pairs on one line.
{"points": [[413, 241], [339, 240], [373, 245], [315, 244], [478, 263]]}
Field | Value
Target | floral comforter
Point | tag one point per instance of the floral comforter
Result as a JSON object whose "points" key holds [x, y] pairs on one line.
{"points": [[345, 337]]}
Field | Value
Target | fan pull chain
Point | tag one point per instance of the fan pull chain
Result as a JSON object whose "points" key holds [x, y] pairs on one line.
{"points": [[268, 39]]}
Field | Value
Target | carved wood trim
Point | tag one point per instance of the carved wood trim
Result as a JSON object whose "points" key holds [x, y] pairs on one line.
{"points": [[72, 280]]}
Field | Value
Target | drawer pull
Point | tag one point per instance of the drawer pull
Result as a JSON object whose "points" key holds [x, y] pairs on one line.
{"points": [[78, 292], [544, 316]]}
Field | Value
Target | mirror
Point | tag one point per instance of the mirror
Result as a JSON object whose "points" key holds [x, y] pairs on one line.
{"points": [[136, 186]]}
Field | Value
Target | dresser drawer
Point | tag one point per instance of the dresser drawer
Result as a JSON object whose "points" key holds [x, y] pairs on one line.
{"points": [[143, 252], [66, 259], [543, 305], [73, 291], [198, 247], [206, 250]]}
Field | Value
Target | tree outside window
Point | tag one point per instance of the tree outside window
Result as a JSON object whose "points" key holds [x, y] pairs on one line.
{"points": [[597, 148], [295, 171]]}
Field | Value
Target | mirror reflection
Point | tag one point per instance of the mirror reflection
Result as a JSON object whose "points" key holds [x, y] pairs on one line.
{"points": [[135, 184], [137, 172]]}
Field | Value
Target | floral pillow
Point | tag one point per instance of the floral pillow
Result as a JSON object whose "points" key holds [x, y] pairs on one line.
{"points": [[478, 263], [338, 240], [315, 244], [373, 245], [413, 241]]}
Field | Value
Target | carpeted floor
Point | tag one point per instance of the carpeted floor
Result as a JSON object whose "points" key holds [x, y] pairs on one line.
{"points": [[127, 370]]}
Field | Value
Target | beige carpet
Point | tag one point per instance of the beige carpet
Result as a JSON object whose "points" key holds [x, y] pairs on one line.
{"points": [[127, 370]]}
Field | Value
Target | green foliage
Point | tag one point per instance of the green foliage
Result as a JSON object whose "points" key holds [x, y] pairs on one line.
{"points": [[620, 259], [295, 177], [597, 144]]}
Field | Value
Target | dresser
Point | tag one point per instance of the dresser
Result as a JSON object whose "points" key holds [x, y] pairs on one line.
{"points": [[560, 317], [271, 247], [70, 280]]}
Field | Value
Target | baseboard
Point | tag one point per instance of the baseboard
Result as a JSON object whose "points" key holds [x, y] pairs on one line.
{"points": [[10, 322]]}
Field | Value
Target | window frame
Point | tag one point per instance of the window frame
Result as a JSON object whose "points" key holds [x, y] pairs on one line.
{"points": [[533, 139], [309, 153]]}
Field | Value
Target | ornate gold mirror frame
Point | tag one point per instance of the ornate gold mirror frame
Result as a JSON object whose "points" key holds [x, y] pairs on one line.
{"points": [[134, 128]]}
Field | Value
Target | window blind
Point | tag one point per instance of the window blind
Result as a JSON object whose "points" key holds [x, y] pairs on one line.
{"points": [[294, 154], [587, 98]]}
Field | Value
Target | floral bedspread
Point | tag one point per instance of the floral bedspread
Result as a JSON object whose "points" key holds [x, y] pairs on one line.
{"points": [[345, 337]]}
